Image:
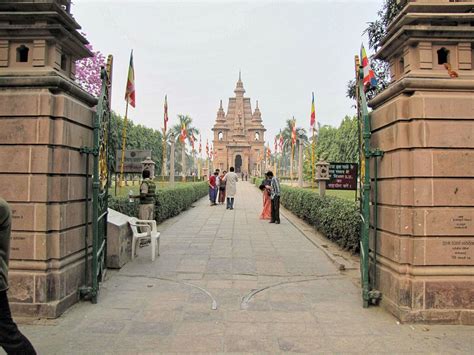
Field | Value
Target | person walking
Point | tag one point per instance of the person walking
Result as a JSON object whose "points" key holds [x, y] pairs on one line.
{"points": [[11, 339], [267, 202], [231, 179], [274, 189], [212, 188], [222, 191]]}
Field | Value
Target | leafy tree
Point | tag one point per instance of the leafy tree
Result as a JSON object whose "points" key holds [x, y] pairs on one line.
{"points": [[190, 131], [88, 72]]}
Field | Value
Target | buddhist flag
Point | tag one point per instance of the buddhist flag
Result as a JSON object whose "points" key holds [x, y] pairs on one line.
{"points": [[293, 132], [183, 134], [269, 152], [200, 145], [130, 89], [281, 141], [276, 145], [207, 148], [165, 118], [312, 123], [369, 76], [191, 140]]}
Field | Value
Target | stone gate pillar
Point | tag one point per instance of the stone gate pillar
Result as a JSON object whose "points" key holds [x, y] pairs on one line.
{"points": [[424, 121], [44, 120]]}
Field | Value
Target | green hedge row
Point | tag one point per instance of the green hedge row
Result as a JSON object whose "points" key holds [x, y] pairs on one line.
{"points": [[170, 201], [336, 218]]}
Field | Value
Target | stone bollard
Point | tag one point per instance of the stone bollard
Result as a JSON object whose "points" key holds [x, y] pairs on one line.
{"points": [[322, 175]]}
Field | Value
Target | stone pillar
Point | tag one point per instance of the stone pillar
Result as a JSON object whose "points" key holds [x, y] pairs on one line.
{"points": [[322, 175], [45, 118], [424, 122]]}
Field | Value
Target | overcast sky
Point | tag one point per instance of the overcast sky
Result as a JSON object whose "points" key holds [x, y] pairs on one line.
{"points": [[192, 51]]}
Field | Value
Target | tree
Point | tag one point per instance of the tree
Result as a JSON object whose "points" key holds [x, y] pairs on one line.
{"points": [[286, 132], [190, 131], [88, 72]]}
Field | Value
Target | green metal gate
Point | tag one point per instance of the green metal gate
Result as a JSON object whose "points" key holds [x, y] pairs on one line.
{"points": [[369, 293], [101, 179]]}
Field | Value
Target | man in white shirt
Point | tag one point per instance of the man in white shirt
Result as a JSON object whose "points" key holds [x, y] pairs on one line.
{"points": [[231, 187]]}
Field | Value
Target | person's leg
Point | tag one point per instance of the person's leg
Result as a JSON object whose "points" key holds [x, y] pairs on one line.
{"points": [[277, 209], [231, 203], [11, 339], [272, 218], [228, 203]]}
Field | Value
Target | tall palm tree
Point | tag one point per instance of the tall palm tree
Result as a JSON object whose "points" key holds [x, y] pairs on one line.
{"points": [[300, 134], [190, 131]]}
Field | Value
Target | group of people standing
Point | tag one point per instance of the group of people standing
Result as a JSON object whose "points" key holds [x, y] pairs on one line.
{"points": [[222, 187]]}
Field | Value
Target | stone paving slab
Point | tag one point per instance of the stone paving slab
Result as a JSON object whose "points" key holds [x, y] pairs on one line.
{"points": [[308, 307]]}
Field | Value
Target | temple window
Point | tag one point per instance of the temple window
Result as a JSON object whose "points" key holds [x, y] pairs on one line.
{"points": [[443, 56], [220, 136], [22, 54], [257, 136]]}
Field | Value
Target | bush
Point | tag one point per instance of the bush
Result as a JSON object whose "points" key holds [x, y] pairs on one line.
{"points": [[336, 218], [170, 201]]}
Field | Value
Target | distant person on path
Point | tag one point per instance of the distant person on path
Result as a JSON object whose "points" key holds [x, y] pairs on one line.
{"points": [[222, 185], [275, 197], [218, 182], [212, 188], [267, 202], [147, 197], [231, 187], [11, 339]]}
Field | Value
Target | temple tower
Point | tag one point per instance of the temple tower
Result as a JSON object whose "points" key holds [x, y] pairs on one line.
{"points": [[239, 135], [45, 118], [424, 121]]}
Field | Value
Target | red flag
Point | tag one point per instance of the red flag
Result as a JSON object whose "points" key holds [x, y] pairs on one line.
{"points": [[183, 134], [281, 141], [165, 118], [276, 145], [200, 145], [207, 148], [313, 114], [130, 89], [191, 140]]}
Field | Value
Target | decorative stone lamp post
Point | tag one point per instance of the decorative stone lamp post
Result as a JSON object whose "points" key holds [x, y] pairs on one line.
{"points": [[322, 175], [149, 164]]}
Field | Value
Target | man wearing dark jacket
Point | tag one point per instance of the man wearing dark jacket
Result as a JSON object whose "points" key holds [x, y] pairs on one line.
{"points": [[11, 339]]}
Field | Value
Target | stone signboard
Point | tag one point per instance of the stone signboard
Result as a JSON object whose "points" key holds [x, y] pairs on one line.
{"points": [[343, 176], [133, 160]]}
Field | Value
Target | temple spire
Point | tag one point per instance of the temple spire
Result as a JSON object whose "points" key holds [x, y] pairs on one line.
{"points": [[239, 89], [220, 112]]}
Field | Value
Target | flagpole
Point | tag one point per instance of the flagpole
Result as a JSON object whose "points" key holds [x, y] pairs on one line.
{"points": [[312, 161], [291, 162], [124, 141], [165, 148]]}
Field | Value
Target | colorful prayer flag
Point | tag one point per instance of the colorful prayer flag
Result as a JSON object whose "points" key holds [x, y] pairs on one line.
{"points": [[369, 76], [165, 118], [276, 145], [281, 141], [191, 140], [313, 115], [130, 89], [207, 148], [183, 134], [200, 145]]}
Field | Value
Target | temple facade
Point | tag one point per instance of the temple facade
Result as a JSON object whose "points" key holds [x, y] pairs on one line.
{"points": [[239, 135]]}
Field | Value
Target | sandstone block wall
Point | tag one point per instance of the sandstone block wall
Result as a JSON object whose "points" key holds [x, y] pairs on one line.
{"points": [[43, 177]]}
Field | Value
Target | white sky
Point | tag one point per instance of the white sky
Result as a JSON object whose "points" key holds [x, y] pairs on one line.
{"points": [[192, 51]]}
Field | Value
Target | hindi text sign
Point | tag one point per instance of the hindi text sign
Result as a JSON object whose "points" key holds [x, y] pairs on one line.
{"points": [[343, 176]]}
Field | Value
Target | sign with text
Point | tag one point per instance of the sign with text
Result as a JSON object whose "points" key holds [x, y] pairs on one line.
{"points": [[133, 160], [343, 176]]}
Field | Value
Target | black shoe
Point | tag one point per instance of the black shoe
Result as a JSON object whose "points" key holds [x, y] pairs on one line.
{"points": [[231, 208], [277, 222], [271, 222]]}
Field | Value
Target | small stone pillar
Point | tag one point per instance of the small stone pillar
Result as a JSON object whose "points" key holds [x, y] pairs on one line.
{"points": [[322, 175], [424, 124], [149, 165]]}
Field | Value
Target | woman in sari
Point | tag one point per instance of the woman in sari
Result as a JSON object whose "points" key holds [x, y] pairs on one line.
{"points": [[267, 204]]}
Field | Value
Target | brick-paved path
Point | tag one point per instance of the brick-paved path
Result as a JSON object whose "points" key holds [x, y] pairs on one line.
{"points": [[155, 307]]}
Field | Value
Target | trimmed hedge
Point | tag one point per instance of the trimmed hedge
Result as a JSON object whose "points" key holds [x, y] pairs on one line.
{"points": [[336, 218], [170, 201]]}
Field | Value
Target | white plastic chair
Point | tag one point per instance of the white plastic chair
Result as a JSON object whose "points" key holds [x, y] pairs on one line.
{"points": [[151, 233]]}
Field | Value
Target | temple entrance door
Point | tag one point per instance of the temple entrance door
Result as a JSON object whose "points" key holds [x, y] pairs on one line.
{"points": [[238, 164]]}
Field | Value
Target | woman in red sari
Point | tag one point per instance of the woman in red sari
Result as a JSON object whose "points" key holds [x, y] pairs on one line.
{"points": [[267, 202]]}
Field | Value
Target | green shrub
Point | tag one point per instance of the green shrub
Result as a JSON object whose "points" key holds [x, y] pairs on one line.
{"points": [[170, 201], [336, 218]]}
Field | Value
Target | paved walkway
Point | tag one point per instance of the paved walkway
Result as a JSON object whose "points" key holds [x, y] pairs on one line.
{"points": [[273, 290]]}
